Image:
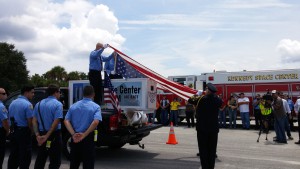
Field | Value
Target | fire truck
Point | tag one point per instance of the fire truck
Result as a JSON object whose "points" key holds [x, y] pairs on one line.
{"points": [[248, 82]]}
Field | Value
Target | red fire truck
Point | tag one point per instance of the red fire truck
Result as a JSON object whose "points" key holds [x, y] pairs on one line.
{"points": [[248, 82]]}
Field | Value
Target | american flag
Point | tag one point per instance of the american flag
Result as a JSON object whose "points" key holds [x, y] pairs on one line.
{"points": [[110, 95], [129, 68], [126, 70]]}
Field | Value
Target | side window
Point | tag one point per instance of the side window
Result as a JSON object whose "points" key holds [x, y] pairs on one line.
{"points": [[38, 96], [8, 101]]}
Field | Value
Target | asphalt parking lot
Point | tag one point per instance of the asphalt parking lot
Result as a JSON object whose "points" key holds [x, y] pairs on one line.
{"points": [[237, 149]]}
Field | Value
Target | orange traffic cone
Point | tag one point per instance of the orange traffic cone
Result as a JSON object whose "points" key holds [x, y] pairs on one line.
{"points": [[172, 138]]}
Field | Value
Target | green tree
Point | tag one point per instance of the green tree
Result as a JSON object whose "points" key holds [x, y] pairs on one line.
{"points": [[13, 69], [75, 75], [38, 80], [57, 75]]}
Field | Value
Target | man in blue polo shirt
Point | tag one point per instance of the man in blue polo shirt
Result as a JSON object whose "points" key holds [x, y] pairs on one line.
{"points": [[95, 68], [20, 114], [81, 120], [46, 120], [4, 126]]}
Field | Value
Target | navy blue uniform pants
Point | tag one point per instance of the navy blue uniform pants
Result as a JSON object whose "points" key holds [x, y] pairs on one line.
{"points": [[20, 149], [54, 152], [96, 81], [207, 147], [84, 152], [2, 145]]}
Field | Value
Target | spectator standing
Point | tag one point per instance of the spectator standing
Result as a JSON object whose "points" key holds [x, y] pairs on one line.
{"points": [[4, 126], [279, 117], [243, 103], [288, 115], [190, 110], [291, 105], [20, 114], [257, 111], [297, 111], [46, 120], [174, 111], [207, 108], [164, 104], [232, 109], [81, 120], [95, 68], [222, 113]]}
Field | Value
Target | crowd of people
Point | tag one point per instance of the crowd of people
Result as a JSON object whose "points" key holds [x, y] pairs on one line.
{"points": [[274, 109]]}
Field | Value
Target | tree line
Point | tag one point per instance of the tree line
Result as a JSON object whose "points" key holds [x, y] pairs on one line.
{"points": [[14, 73]]}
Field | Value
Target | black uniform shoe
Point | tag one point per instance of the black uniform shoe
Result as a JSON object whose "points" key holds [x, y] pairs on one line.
{"points": [[298, 142], [198, 154]]}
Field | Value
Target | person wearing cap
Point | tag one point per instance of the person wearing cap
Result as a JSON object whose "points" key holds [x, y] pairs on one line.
{"points": [[4, 125], [243, 103], [297, 111], [95, 68], [279, 117], [207, 108]]}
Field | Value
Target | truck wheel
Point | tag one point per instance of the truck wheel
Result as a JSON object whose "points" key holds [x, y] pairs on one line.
{"points": [[117, 146], [66, 146]]}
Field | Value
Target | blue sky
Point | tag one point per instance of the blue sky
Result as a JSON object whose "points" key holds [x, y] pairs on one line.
{"points": [[171, 37]]}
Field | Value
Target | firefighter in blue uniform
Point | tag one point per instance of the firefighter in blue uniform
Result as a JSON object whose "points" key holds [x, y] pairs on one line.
{"points": [[4, 126], [46, 123], [207, 108], [81, 120], [20, 115]]}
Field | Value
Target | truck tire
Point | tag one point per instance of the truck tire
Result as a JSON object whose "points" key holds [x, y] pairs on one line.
{"points": [[117, 146], [66, 146]]}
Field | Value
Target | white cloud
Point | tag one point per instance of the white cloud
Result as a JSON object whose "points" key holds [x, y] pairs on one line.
{"points": [[289, 50], [58, 33], [250, 4]]}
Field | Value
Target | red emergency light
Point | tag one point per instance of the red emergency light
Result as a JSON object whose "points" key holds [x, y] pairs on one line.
{"points": [[210, 78]]}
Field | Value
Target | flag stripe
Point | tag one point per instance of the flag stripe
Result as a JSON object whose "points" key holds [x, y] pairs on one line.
{"points": [[176, 88]]}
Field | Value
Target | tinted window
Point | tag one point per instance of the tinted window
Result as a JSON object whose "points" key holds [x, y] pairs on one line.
{"points": [[38, 96], [10, 99]]}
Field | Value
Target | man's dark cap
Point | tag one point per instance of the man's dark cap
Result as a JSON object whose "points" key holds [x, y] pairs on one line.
{"points": [[211, 87]]}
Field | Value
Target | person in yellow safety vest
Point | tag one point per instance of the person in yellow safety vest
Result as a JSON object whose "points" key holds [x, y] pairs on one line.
{"points": [[266, 110]]}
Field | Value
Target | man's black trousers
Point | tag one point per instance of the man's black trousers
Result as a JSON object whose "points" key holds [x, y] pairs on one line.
{"points": [[96, 81], [207, 146], [20, 149], [84, 152], [54, 152]]}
